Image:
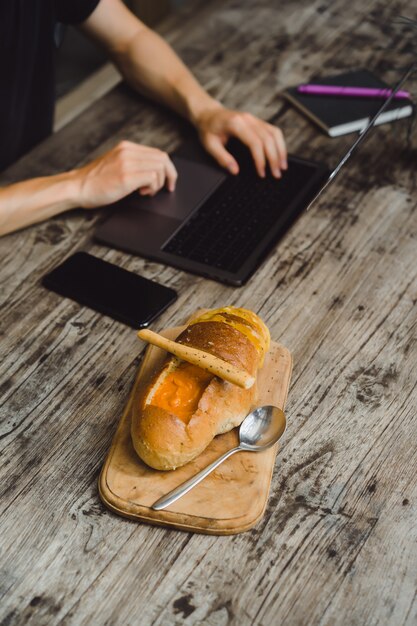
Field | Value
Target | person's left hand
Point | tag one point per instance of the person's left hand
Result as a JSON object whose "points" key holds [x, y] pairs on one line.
{"points": [[266, 142]]}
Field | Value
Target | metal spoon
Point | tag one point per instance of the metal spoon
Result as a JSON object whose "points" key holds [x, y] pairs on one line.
{"points": [[260, 429]]}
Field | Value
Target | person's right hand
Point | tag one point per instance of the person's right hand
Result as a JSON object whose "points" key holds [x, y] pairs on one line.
{"points": [[125, 168]]}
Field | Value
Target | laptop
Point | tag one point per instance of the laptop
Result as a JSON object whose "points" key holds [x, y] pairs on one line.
{"points": [[215, 224]]}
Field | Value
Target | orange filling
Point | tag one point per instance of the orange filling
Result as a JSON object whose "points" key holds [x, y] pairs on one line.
{"points": [[181, 390]]}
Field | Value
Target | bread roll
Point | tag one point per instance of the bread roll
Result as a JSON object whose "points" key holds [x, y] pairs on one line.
{"points": [[176, 416]]}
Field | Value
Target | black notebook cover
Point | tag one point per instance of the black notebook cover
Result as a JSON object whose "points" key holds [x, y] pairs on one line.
{"points": [[338, 115]]}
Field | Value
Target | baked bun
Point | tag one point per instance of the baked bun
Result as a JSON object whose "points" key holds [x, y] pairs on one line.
{"points": [[180, 411]]}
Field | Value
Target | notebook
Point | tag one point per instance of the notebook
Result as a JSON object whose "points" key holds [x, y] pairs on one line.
{"points": [[338, 115]]}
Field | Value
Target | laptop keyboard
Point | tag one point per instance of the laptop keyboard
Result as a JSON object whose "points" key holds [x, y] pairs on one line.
{"points": [[224, 231]]}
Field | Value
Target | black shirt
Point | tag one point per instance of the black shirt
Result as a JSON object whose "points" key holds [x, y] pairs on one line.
{"points": [[27, 76]]}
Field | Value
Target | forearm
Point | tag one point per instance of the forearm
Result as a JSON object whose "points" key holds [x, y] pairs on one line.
{"points": [[147, 62], [126, 168], [35, 200], [168, 80]]}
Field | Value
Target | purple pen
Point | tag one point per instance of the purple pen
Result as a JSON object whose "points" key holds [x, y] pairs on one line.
{"points": [[358, 92]]}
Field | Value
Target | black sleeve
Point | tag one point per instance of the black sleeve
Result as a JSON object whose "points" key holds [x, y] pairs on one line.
{"points": [[74, 11]]}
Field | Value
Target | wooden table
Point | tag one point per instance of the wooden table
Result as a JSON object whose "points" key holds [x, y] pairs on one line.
{"points": [[337, 544]]}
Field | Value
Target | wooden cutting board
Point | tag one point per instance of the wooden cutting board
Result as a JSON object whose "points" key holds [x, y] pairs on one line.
{"points": [[231, 499]]}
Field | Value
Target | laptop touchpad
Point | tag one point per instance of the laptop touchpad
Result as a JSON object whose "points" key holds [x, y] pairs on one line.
{"points": [[195, 182]]}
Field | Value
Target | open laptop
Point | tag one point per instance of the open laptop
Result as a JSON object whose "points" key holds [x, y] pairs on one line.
{"points": [[215, 224]]}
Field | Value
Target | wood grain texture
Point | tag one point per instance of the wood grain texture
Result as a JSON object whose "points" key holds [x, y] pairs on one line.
{"points": [[337, 544], [231, 499]]}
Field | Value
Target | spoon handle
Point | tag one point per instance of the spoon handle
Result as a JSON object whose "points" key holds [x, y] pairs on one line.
{"points": [[185, 487]]}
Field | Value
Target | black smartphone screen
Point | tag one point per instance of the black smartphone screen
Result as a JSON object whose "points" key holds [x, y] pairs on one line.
{"points": [[109, 289]]}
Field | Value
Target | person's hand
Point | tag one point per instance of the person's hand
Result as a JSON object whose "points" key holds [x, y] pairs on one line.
{"points": [[266, 142], [126, 168]]}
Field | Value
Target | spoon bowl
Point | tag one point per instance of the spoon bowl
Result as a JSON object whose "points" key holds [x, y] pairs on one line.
{"points": [[260, 430]]}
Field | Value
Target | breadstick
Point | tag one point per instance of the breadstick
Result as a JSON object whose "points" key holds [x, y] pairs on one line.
{"points": [[202, 359]]}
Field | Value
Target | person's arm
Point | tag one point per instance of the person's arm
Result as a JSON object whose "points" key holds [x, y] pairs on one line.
{"points": [[115, 174], [150, 65]]}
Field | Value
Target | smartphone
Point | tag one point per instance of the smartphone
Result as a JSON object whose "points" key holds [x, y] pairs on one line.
{"points": [[109, 289]]}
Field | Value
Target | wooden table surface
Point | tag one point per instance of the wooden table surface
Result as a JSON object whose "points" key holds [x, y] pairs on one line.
{"points": [[337, 544]]}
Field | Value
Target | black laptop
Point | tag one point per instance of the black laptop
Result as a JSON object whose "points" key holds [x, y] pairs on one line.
{"points": [[218, 225], [214, 224]]}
